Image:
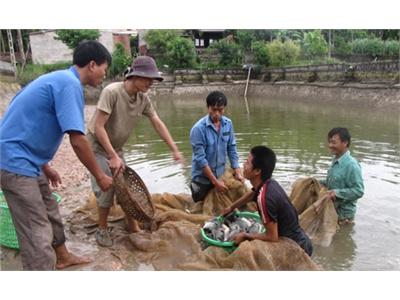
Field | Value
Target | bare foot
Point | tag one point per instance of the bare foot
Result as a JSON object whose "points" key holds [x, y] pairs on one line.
{"points": [[71, 260]]}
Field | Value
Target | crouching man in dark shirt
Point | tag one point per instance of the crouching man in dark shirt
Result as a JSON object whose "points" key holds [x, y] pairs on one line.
{"points": [[277, 212]]}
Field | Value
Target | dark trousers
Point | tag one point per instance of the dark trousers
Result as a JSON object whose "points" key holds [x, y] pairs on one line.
{"points": [[199, 190], [36, 219]]}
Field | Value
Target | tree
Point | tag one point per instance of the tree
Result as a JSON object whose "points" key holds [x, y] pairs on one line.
{"points": [[283, 53], [230, 53], [245, 38], [314, 44], [261, 54], [181, 53], [72, 37], [157, 41], [120, 60]]}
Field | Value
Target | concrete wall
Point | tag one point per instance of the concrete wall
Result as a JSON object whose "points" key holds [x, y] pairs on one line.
{"points": [[47, 50]]}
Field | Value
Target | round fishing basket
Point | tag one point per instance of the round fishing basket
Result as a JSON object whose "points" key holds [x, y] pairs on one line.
{"points": [[133, 196]]}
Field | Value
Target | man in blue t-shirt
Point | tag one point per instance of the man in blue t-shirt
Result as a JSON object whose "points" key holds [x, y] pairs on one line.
{"points": [[276, 211], [31, 131], [212, 139]]}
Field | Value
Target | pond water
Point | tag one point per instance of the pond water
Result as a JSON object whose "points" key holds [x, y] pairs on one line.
{"points": [[296, 131]]}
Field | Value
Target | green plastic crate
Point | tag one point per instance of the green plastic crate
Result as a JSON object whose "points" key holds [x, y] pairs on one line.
{"points": [[8, 236], [229, 245]]}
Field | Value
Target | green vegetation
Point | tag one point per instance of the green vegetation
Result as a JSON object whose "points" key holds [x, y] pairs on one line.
{"points": [[314, 45], [120, 61], [376, 47], [231, 54], [73, 37], [181, 54], [174, 49], [170, 49], [261, 54], [283, 53], [31, 71]]}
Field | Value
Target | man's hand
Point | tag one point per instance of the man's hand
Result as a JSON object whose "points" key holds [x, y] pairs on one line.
{"points": [[178, 157], [332, 195], [104, 182], [220, 186], [116, 165], [226, 211], [238, 175], [240, 237], [52, 176]]}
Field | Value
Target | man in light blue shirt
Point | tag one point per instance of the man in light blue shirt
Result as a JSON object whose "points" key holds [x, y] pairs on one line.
{"points": [[31, 131], [344, 180], [212, 139]]}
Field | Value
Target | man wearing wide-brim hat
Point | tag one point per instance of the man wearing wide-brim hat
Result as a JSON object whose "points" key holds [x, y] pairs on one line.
{"points": [[119, 108]]}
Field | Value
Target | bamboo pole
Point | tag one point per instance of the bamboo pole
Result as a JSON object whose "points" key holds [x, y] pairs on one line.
{"points": [[245, 91]]}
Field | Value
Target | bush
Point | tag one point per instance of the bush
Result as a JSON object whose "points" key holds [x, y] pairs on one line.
{"points": [[392, 48], [230, 53], [245, 38], [31, 72], [181, 54], [314, 44], [73, 37], [283, 53], [157, 42], [373, 47], [341, 46], [134, 43], [120, 61], [260, 51]]}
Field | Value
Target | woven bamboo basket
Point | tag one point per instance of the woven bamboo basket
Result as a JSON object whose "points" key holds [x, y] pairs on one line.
{"points": [[133, 196]]}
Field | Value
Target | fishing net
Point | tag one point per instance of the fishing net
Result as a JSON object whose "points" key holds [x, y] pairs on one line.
{"points": [[317, 214], [177, 243]]}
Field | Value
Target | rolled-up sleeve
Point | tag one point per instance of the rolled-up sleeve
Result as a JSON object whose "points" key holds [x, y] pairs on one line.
{"points": [[198, 143]]}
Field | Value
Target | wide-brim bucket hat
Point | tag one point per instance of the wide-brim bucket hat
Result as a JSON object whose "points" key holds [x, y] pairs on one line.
{"points": [[144, 66]]}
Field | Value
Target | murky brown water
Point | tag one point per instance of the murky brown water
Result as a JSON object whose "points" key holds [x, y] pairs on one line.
{"points": [[297, 132]]}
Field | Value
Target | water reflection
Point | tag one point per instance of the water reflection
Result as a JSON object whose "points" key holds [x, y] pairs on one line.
{"points": [[297, 132], [342, 252]]}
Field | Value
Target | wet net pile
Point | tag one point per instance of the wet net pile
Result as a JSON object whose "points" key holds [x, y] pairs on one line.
{"points": [[177, 244]]}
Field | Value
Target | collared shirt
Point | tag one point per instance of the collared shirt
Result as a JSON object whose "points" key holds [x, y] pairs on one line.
{"points": [[211, 147], [33, 126], [124, 112], [344, 177]]}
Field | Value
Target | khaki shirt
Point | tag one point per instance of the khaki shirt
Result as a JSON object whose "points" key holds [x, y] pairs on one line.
{"points": [[124, 111]]}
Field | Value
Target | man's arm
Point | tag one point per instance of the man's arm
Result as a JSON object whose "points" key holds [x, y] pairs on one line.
{"points": [[238, 203], [356, 185], [219, 184], [164, 133], [115, 162], [233, 155], [84, 152]]}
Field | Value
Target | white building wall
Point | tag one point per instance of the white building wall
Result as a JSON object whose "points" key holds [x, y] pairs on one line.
{"points": [[47, 50]]}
